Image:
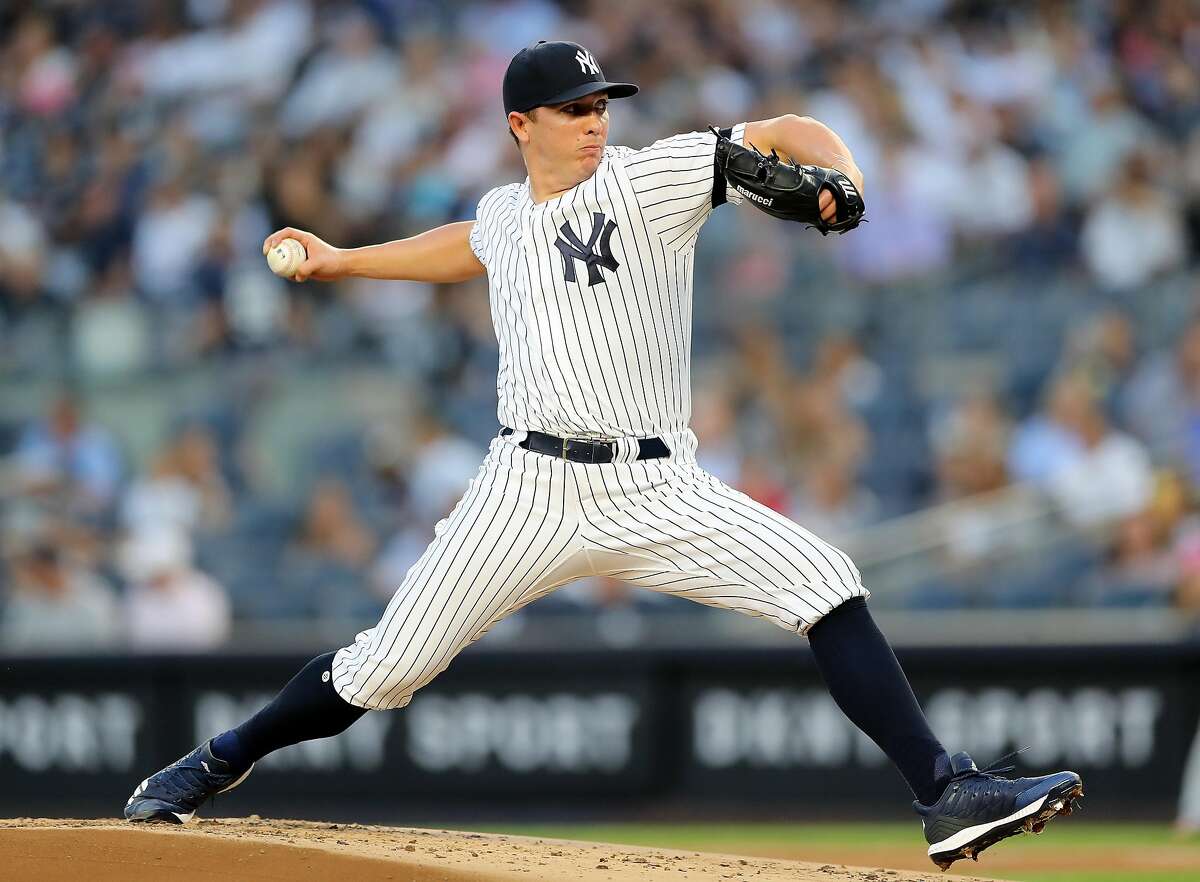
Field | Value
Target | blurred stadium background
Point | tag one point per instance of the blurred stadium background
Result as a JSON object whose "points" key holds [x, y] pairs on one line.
{"points": [[989, 395]]}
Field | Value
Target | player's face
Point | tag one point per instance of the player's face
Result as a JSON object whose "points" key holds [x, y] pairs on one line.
{"points": [[574, 133]]}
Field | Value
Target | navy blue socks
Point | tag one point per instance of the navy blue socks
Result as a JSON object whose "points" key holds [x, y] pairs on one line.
{"points": [[868, 684], [307, 707], [852, 655]]}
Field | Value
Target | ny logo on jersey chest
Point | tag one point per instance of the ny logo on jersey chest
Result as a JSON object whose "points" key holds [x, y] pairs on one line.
{"points": [[595, 253]]}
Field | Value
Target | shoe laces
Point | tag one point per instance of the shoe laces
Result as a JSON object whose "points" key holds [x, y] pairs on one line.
{"points": [[985, 789], [188, 783], [994, 768]]}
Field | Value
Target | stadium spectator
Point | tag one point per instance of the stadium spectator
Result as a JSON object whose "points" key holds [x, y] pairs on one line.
{"points": [[1154, 554], [969, 444], [969, 441], [1134, 232], [831, 502], [1104, 350], [841, 360], [55, 604], [1050, 239], [63, 455], [442, 464], [1162, 401], [1096, 135], [714, 420], [1140, 568], [170, 605], [111, 333], [907, 237], [819, 419], [169, 240], [352, 73], [438, 472], [332, 530], [1186, 597], [1110, 475], [1047, 442], [184, 488]]}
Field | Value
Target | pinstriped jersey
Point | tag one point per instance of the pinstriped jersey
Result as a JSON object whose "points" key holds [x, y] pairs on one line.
{"points": [[591, 292]]}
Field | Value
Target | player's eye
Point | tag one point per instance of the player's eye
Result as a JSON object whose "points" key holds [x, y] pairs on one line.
{"points": [[600, 107]]}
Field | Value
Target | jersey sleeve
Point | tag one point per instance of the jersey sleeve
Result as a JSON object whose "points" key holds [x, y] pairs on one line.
{"points": [[477, 241], [479, 238], [677, 183], [487, 218]]}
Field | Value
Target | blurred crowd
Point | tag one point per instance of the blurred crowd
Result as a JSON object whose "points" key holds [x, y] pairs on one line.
{"points": [[1023, 307]]}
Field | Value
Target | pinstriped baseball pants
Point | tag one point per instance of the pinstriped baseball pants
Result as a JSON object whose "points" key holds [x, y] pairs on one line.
{"points": [[529, 523]]}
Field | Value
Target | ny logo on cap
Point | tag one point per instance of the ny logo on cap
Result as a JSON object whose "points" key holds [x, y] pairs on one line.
{"points": [[587, 62], [573, 248]]}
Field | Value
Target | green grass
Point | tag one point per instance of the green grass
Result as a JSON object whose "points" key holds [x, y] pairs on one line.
{"points": [[1101, 876], [1065, 837]]}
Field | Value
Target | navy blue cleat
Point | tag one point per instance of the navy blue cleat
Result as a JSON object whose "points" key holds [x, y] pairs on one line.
{"points": [[979, 808], [173, 795]]}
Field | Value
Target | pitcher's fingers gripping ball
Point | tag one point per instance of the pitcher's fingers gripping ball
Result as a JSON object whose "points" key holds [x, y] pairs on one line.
{"points": [[286, 257]]}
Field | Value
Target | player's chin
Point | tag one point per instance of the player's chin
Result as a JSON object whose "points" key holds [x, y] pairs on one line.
{"points": [[590, 157]]}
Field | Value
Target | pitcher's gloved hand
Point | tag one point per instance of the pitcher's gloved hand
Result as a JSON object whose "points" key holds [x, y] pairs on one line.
{"points": [[787, 191]]}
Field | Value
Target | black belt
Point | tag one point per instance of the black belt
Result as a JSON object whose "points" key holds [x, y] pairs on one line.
{"points": [[582, 450]]}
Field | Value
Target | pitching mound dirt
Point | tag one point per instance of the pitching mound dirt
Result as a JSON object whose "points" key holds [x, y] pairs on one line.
{"points": [[299, 851]]}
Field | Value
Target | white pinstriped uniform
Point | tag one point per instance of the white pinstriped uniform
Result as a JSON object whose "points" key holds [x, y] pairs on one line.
{"points": [[591, 300]]}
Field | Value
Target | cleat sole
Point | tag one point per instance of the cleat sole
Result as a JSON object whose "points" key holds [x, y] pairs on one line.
{"points": [[1034, 820]]}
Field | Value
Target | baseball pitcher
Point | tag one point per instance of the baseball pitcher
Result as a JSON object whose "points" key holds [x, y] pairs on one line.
{"points": [[593, 469]]}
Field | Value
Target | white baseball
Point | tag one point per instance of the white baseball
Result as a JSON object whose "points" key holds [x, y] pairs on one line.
{"points": [[286, 257]]}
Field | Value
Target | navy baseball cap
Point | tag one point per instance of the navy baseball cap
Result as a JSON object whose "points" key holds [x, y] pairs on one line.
{"points": [[554, 72]]}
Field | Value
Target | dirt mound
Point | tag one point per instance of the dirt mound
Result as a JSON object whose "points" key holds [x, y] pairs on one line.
{"points": [[299, 851]]}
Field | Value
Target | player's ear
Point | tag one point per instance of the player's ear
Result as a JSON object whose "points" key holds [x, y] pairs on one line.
{"points": [[519, 124]]}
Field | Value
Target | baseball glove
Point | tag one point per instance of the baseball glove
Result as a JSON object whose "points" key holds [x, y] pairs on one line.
{"points": [[787, 191]]}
